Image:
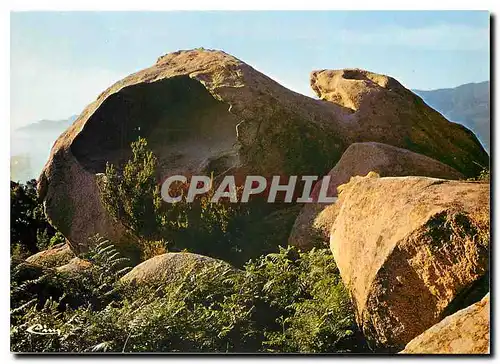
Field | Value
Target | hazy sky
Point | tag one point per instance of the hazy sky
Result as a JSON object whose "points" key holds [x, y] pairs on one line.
{"points": [[60, 62]]}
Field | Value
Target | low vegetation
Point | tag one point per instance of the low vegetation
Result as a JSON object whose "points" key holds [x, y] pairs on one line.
{"points": [[283, 302]]}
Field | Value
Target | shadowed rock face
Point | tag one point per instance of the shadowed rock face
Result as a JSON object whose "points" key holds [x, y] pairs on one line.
{"points": [[205, 111], [182, 122], [409, 249], [312, 227], [465, 332]]}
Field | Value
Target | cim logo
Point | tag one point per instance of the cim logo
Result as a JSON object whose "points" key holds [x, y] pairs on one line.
{"points": [[39, 329]]}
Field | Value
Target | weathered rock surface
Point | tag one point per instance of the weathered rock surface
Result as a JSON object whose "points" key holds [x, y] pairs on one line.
{"points": [[171, 268], [384, 111], [408, 248], [205, 111], [75, 265], [465, 332], [51, 258], [358, 160]]}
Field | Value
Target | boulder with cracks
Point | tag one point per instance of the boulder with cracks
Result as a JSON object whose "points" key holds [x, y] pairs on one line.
{"points": [[205, 112], [382, 110]]}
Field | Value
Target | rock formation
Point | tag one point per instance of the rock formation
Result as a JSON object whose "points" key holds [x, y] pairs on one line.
{"points": [[358, 160], [409, 249], [384, 111], [205, 111], [465, 332]]}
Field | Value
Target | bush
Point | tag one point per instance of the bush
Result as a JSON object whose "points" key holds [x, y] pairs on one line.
{"points": [[232, 232], [30, 231], [312, 307], [483, 176], [44, 296]]}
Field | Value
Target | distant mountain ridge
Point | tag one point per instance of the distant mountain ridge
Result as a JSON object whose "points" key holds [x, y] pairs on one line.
{"points": [[48, 125], [31, 144], [467, 104]]}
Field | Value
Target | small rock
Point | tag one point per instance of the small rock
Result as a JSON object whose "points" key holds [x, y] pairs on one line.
{"points": [[465, 332], [52, 258], [432, 233]]}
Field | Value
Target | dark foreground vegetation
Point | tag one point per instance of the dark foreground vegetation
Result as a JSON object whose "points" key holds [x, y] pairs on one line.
{"points": [[282, 302]]}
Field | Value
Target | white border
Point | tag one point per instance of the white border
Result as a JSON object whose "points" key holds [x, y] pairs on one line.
{"points": [[192, 5], [254, 5]]}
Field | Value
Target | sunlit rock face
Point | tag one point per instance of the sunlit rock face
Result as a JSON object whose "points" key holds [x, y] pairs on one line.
{"points": [[411, 250]]}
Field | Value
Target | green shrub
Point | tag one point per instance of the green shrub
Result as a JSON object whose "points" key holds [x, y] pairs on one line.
{"points": [[95, 286], [313, 309], [133, 196], [484, 175]]}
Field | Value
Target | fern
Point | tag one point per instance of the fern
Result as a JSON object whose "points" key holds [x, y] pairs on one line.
{"points": [[283, 302]]}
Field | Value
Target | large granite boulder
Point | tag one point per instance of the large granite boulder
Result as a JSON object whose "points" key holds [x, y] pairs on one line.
{"points": [[205, 111], [409, 249], [465, 332], [201, 112], [358, 160]]}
